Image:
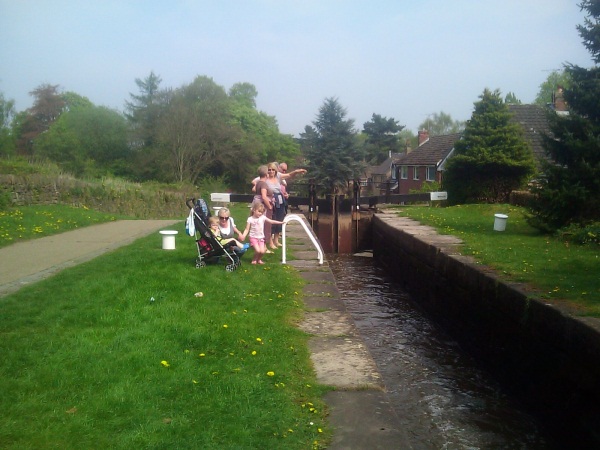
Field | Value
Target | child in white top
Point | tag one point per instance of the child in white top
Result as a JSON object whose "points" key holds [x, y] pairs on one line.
{"points": [[255, 225]]}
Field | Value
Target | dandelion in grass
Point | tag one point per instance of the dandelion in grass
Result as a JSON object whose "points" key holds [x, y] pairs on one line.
{"points": [[225, 326], [253, 352], [165, 364], [258, 340], [270, 374], [202, 355]]}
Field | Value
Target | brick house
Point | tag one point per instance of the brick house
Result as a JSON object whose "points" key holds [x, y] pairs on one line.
{"points": [[423, 164]]}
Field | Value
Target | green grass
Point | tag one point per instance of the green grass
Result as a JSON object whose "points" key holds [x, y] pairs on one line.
{"points": [[30, 222], [520, 253], [119, 353]]}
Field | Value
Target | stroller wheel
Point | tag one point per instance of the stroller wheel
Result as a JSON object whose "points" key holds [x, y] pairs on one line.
{"points": [[230, 267], [200, 264]]}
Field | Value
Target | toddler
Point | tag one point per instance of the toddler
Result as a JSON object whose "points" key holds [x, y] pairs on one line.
{"points": [[255, 225], [213, 223]]}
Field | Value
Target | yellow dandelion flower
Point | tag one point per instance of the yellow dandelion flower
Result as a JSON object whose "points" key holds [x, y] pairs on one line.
{"points": [[258, 340], [165, 364], [270, 373], [225, 326], [253, 352], [201, 355]]}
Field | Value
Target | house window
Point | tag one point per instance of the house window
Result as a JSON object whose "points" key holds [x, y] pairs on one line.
{"points": [[431, 173], [394, 172], [415, 173], [404, 172]]}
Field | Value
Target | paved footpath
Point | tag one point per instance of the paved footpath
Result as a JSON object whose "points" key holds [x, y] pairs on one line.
{"points": [[30, 261], [360, 411]]}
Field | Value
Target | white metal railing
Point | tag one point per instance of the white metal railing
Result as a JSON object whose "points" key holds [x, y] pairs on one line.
{"points": [[309, 232]]}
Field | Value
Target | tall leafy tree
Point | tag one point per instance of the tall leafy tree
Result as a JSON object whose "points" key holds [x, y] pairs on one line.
{"points": [[568, 190], [331, 147], [492, 158], [196, 129], [244, 93], [47, 107], [7, 138], [87, 140], [548, 88], [382, 138], [261, 131], [438, 124]]}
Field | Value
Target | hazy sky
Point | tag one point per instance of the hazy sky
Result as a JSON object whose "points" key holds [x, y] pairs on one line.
{"points": [[404, 59]]}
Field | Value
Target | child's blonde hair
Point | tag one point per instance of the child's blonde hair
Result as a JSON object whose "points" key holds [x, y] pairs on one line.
{"points": [[212, 220], [258, 206]]}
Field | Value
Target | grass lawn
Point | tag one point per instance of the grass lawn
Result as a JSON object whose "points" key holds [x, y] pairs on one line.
{"points": [[119, 352], [30, 222], [558, 270]]}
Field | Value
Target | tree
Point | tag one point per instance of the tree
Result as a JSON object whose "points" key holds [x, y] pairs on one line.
{"points": [[511, 99], [7, 138], [556, 79], [87, 141], [568, 189], [244, 93], [491, 159], [144, 109], [440, 124], [382, 138], [261, 131], [47, 107], [331, 148], [196, 130]]}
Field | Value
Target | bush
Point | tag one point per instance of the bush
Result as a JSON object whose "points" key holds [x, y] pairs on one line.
{"points": [[581, 235]]}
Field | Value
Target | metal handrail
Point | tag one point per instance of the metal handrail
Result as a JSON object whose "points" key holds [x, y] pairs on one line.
{"points": [[309, 232]]}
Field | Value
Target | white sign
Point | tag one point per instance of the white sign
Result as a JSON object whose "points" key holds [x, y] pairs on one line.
{"points": [[439, 196], [220, 197]]}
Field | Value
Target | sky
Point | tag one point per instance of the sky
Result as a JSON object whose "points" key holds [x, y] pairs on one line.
{"points": [[401, 59]]}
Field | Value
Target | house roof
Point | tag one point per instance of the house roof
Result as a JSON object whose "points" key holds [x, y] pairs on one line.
{"points": [[430, 152], [534, 121], [384, 167]]}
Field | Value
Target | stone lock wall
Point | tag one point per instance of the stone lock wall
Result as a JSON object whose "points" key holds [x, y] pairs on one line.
{"points": [[545, 354]]}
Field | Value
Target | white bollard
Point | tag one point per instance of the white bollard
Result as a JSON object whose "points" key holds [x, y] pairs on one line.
{"points": [[500, 222], [168, 239]]}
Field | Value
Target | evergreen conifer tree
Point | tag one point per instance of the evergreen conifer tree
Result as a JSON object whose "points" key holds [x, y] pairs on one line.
{"points": [[331, 148], [569, 190], [491, 159]]}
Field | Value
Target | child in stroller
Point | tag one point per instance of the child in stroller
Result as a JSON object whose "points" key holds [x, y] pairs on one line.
{"points": [[209, 248], [231, 243]]}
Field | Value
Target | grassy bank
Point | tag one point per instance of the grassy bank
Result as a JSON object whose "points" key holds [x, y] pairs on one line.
{"points": [[30, 222], [520, 253], [120, 352]]}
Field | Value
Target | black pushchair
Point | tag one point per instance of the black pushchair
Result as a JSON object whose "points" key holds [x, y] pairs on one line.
{"points": [[210, 250]]}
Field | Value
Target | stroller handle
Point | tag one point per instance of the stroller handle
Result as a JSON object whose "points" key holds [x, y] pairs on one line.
{"points": [[190, 203]]}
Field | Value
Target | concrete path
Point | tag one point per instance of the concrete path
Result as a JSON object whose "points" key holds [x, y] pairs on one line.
{"points": [[360, 410], [30, 261]]}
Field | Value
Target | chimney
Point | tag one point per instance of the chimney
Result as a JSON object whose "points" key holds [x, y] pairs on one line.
{"points": [[423, 136], [559, 100]]}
